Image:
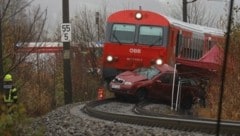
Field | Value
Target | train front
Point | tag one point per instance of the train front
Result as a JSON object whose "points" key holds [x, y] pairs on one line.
{"points": [[134, 38]]}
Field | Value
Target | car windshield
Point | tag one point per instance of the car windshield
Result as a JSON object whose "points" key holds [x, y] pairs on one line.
{"points": [[149, 72]]}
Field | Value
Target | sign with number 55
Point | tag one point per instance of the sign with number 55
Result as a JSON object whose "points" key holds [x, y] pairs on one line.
{"points": [[66, 32]]}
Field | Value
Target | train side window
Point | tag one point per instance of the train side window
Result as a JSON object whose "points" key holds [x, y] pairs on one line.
{"points": [[184, 50], [200, 51], [185, 47], [193, 46], [209, 43], [195, 50], [189, 41], [198, 48]]}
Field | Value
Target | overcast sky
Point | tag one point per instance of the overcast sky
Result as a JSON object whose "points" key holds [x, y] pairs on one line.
{"points": [[54, 7]]}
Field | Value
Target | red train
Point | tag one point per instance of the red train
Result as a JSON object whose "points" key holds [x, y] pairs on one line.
{"points": [[138, 38]]}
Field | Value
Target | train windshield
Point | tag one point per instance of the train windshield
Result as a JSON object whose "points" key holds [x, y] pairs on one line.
{"points": [[149, 72], [150, 35], [123, 33]]}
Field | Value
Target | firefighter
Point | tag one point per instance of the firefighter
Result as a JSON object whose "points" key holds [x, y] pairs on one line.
{"points": [[10, 92]]}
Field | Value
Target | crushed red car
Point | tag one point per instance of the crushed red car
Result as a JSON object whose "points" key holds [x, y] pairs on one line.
{"points": [[156, 82]]}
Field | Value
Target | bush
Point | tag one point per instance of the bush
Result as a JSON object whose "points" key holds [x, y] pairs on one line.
{"points": [[14, 122], [231, 101]]}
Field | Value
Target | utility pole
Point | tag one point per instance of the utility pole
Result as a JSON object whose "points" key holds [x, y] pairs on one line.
{"points": [[1, 50], [184, 9], [97, 22], [224, 67], [66, 38]]}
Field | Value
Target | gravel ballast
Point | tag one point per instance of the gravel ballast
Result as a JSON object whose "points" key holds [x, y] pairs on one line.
{"points": [[69, 120]]}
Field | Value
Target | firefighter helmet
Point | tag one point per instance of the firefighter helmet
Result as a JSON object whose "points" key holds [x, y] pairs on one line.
{"points": [[7, 78]]}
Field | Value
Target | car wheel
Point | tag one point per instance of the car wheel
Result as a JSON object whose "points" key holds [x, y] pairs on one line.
{"points": [[141, 95]]}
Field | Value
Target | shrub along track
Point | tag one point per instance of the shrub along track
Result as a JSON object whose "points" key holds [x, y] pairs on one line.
{"points": [[147, 118]]}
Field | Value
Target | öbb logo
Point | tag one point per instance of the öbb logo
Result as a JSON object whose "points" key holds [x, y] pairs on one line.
{"points": [[134, 50]]}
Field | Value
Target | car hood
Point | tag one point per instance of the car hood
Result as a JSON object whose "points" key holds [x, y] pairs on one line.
{"points": [[131, 77]]}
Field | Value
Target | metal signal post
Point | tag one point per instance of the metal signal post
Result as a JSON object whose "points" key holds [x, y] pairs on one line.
{"points": [[184, 9], [66, 38]]}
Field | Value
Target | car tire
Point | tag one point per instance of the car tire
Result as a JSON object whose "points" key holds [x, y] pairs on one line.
{"points": [[141, 95]]}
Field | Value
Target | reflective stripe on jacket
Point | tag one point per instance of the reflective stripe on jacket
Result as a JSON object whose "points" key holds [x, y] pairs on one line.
{"points": [[12, 96]]}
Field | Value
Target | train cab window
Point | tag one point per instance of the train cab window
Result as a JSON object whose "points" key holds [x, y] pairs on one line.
{"points": [[151, 35], [123, 33]]}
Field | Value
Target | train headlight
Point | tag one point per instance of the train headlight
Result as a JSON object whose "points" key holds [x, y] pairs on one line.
{"points": [[109, 58], [159, 61], [138, 15]]}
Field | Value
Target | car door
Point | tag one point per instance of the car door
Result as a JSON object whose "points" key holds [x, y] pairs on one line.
{"points": [[188, 89], [162, 87]]}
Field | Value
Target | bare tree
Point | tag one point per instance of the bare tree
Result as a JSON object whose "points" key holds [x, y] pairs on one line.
{"points": [[88, 32], [20, 23], [87, 35], [18, 26], [198, 13], [232, 75]]}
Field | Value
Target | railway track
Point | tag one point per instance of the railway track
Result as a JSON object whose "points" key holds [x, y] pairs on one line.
{"points": [[147, 118]]}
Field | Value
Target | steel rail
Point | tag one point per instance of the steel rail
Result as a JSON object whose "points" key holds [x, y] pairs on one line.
{"points": [[166, 121], [227, 126]]}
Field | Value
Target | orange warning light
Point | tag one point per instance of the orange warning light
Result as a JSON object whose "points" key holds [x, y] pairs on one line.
{"points": [[101, 94]]}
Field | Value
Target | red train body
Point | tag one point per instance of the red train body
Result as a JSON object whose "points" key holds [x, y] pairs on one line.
{"points": [[137, 38]]}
